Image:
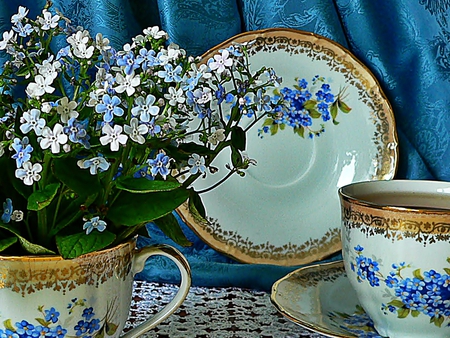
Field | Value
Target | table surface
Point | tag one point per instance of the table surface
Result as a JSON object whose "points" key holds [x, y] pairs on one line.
{"points": [[212, 312]]}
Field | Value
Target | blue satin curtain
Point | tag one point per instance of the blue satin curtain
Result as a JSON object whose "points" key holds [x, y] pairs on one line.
{"points": [[405, 43]]}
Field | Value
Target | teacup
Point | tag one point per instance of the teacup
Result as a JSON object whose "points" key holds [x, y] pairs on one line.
{"points": [[88, 296], [396, 251]]}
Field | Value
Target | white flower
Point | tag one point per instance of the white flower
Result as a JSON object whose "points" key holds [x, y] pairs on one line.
{"points": [[67, 109], [41, 86], [48, 21], [197, 164], [175, 96], [101, 43], [221, 61], [46, 107], [217, 136], [53, 139], [31, 120], [127, 83], [136, 131], [29, 173], [79, 38], [154, 32], [202, 71], [84, 52], [49, 69], [7, 36], [17, 216], [113, 136], [22, 13]]}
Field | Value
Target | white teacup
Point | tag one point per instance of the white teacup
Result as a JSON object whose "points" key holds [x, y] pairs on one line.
{"points": [[396, 250], [88, 296]]}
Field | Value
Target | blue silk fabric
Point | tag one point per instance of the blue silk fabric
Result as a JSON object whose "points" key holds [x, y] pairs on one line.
{"points": [[405, 43]]}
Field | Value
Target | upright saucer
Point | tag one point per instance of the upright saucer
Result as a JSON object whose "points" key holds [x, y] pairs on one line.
{"points": [[320, 298]]}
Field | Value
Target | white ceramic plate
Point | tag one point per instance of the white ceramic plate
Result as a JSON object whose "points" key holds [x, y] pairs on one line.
{"points": [[320, 298], [286, 210]]}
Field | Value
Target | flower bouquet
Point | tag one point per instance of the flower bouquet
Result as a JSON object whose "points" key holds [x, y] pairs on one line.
{"points": [[95, 142]]}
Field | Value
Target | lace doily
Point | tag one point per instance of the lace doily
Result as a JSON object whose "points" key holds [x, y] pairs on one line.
{"points": [[212, 312]]}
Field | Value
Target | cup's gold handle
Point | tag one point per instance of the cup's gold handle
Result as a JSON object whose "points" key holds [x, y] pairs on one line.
{"points": [[139, 263]]}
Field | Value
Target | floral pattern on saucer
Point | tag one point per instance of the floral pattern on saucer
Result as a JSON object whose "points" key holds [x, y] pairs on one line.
{"points": [[321, 299]]}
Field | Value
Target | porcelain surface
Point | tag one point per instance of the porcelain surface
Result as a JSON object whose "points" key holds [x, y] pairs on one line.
{"points": [[396, 252], [286, 210], [321, 299]]}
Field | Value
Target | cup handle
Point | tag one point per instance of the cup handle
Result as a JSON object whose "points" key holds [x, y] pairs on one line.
{"points": [[139, 263]]}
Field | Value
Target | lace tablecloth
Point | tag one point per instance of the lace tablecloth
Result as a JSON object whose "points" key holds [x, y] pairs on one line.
{"points": [[212, 312]]}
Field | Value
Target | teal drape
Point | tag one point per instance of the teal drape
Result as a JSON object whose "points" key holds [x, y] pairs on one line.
{"points": [[405, 43]]}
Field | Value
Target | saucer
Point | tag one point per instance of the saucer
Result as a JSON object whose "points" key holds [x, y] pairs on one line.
{"points": [[286, 211], [320, 298]]}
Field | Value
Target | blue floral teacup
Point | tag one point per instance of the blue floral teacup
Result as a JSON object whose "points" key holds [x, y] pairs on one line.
{"points": [[396, 250], [88, 296]]}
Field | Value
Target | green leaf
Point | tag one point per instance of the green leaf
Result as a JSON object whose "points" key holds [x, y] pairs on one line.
{"points": [[417, 274], [268, 122], [77, 179], [300, 131], [39, 199], [192, 147], [236, 158], [72, 246], [43, 322], [438, 320], [238, 138], [171, 228], [29, 247], [273, 129], [314, 113], [5, 243], [132, 209], [111, 328], [396, 303], [334, 110], [415, 313], [8, 325], [310, 104], [343, 106], [402, 313], [34, 249], [195, 204], [143, 185], [72, 212], [447, 271]]}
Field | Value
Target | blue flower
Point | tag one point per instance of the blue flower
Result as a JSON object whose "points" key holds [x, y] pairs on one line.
{"points": [[8, 334], [23, 30], [94, 223], [109, 107], [170, 74], [77, 131], [24, 328], [23, 151], [160, 165], [147, 58], [129, 62], [94, 325], [7, 211], [144, 108], [94, 164], [197, 164], [81, 328], [51, 315], [88, 313], [262, 101], [58, 332]]}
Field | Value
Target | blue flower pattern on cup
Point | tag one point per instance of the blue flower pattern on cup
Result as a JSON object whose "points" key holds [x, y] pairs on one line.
{"points": [[88, 326], [303, 103], [426, 293]]}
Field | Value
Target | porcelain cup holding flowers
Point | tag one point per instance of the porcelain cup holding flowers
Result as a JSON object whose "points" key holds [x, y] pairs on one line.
{"points": [[396, 250]]}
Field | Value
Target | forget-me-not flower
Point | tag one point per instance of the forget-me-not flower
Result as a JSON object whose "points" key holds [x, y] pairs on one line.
{"points": [[94, 223], [109, 107], [23, 150]]}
